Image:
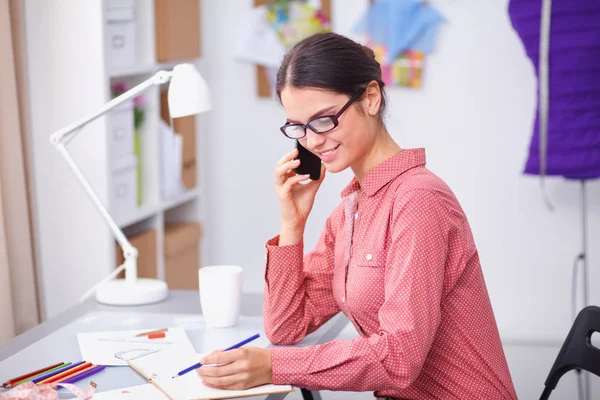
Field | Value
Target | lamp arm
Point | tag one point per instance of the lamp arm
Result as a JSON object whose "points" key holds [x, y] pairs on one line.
{"points": [[157, 79], [130, 253], [59, 138], [128, 249]]}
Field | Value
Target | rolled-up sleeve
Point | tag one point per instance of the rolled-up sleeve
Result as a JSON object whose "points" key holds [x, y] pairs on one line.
{"points": [[298, 295]]}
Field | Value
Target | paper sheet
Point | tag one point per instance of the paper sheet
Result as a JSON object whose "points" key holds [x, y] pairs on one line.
{"points": [[161, 367], [293, 21], [100, 347], [400, 25], [257, 43], [171, 149], [146, 392]]}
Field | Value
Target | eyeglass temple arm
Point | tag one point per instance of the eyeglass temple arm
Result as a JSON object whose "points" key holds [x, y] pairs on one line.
{"points": [[354, 97]]}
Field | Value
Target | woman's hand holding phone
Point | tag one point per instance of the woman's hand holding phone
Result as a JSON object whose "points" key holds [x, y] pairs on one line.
{"points": [[295, 200]]}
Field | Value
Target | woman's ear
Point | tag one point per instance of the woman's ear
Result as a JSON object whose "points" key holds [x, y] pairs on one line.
{"points": [[373, 98]]}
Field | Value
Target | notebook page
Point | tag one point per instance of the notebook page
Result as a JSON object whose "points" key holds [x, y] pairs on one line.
{"points": [[190, 387], [146, 392], [162, 366]]}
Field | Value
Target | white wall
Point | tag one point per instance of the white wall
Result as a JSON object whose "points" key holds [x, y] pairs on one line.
{"points": [[66, 79], [474, 117]]}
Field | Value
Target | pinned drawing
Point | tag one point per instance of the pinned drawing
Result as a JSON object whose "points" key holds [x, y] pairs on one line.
{"points": [[401, 34]]}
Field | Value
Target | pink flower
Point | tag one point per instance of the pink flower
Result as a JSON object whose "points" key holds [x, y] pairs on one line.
{"points": [[138, 101], [119, 87]]}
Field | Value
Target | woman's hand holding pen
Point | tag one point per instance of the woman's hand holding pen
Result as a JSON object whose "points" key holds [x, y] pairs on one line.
{"points": [[295, 200], [237, 369]]}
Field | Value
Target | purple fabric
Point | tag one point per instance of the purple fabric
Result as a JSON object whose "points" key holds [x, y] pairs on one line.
{"points": [[574, 80]]}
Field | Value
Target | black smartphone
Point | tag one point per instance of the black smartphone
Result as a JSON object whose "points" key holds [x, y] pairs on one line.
{"points": [[309, 163]]}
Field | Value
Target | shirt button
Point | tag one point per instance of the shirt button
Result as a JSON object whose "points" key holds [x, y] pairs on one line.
{"points": [[369, 257], [356, 216], [343, 300]]}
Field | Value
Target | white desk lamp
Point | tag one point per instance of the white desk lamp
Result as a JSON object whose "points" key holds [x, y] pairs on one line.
{"points": [[188, 95]]}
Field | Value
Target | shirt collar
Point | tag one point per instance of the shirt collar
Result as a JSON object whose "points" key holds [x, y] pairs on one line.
{"points": [[386, 171]]}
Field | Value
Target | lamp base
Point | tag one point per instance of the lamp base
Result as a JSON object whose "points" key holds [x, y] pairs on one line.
{"points": [[120, 293]]}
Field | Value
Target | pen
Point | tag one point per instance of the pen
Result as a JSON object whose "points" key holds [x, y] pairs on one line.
{"points": [[235, 346]]}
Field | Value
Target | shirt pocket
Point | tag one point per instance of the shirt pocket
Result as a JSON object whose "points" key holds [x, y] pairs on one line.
{"points": [[369, 259]]}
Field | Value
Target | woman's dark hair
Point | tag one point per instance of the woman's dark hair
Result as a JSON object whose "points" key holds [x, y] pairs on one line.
{"points": [[333, 62]]}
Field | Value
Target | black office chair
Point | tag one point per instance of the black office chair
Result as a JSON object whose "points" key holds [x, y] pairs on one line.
{"points": [[577, 352]]}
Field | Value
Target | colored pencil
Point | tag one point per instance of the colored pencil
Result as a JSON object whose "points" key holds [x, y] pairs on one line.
{"points": [[76, 368], [42, 374], [12, 381], [74, 374], [84, 375], [52, 373], [235, 346], [148, 333]]}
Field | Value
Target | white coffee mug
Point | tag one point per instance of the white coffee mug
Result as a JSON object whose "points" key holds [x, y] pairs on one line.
{"points": [[220, 294]]}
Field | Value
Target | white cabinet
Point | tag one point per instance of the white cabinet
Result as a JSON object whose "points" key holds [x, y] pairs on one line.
{"points": [[121, 130], [124, 185], [120, 32]]}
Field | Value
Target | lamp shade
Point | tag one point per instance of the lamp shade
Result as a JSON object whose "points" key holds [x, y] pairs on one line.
{"points": [[188, 92]]}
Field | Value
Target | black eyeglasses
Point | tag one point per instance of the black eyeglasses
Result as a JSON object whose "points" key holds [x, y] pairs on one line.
{"points": [[322, 124]]}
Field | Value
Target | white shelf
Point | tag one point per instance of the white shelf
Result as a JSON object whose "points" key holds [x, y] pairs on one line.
{"points": [[148, 211], [117, 72], [171, 64], [133, 70], [140, 214], [181, 199]]}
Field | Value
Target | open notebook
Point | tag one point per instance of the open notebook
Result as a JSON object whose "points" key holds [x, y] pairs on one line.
{"points": [[159, 369]]}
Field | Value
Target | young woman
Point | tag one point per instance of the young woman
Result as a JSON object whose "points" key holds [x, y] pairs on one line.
{"points": [[396, 256]]}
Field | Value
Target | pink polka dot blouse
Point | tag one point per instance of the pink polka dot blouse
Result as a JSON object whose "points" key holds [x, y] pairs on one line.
{"points": [[398, 259]]}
